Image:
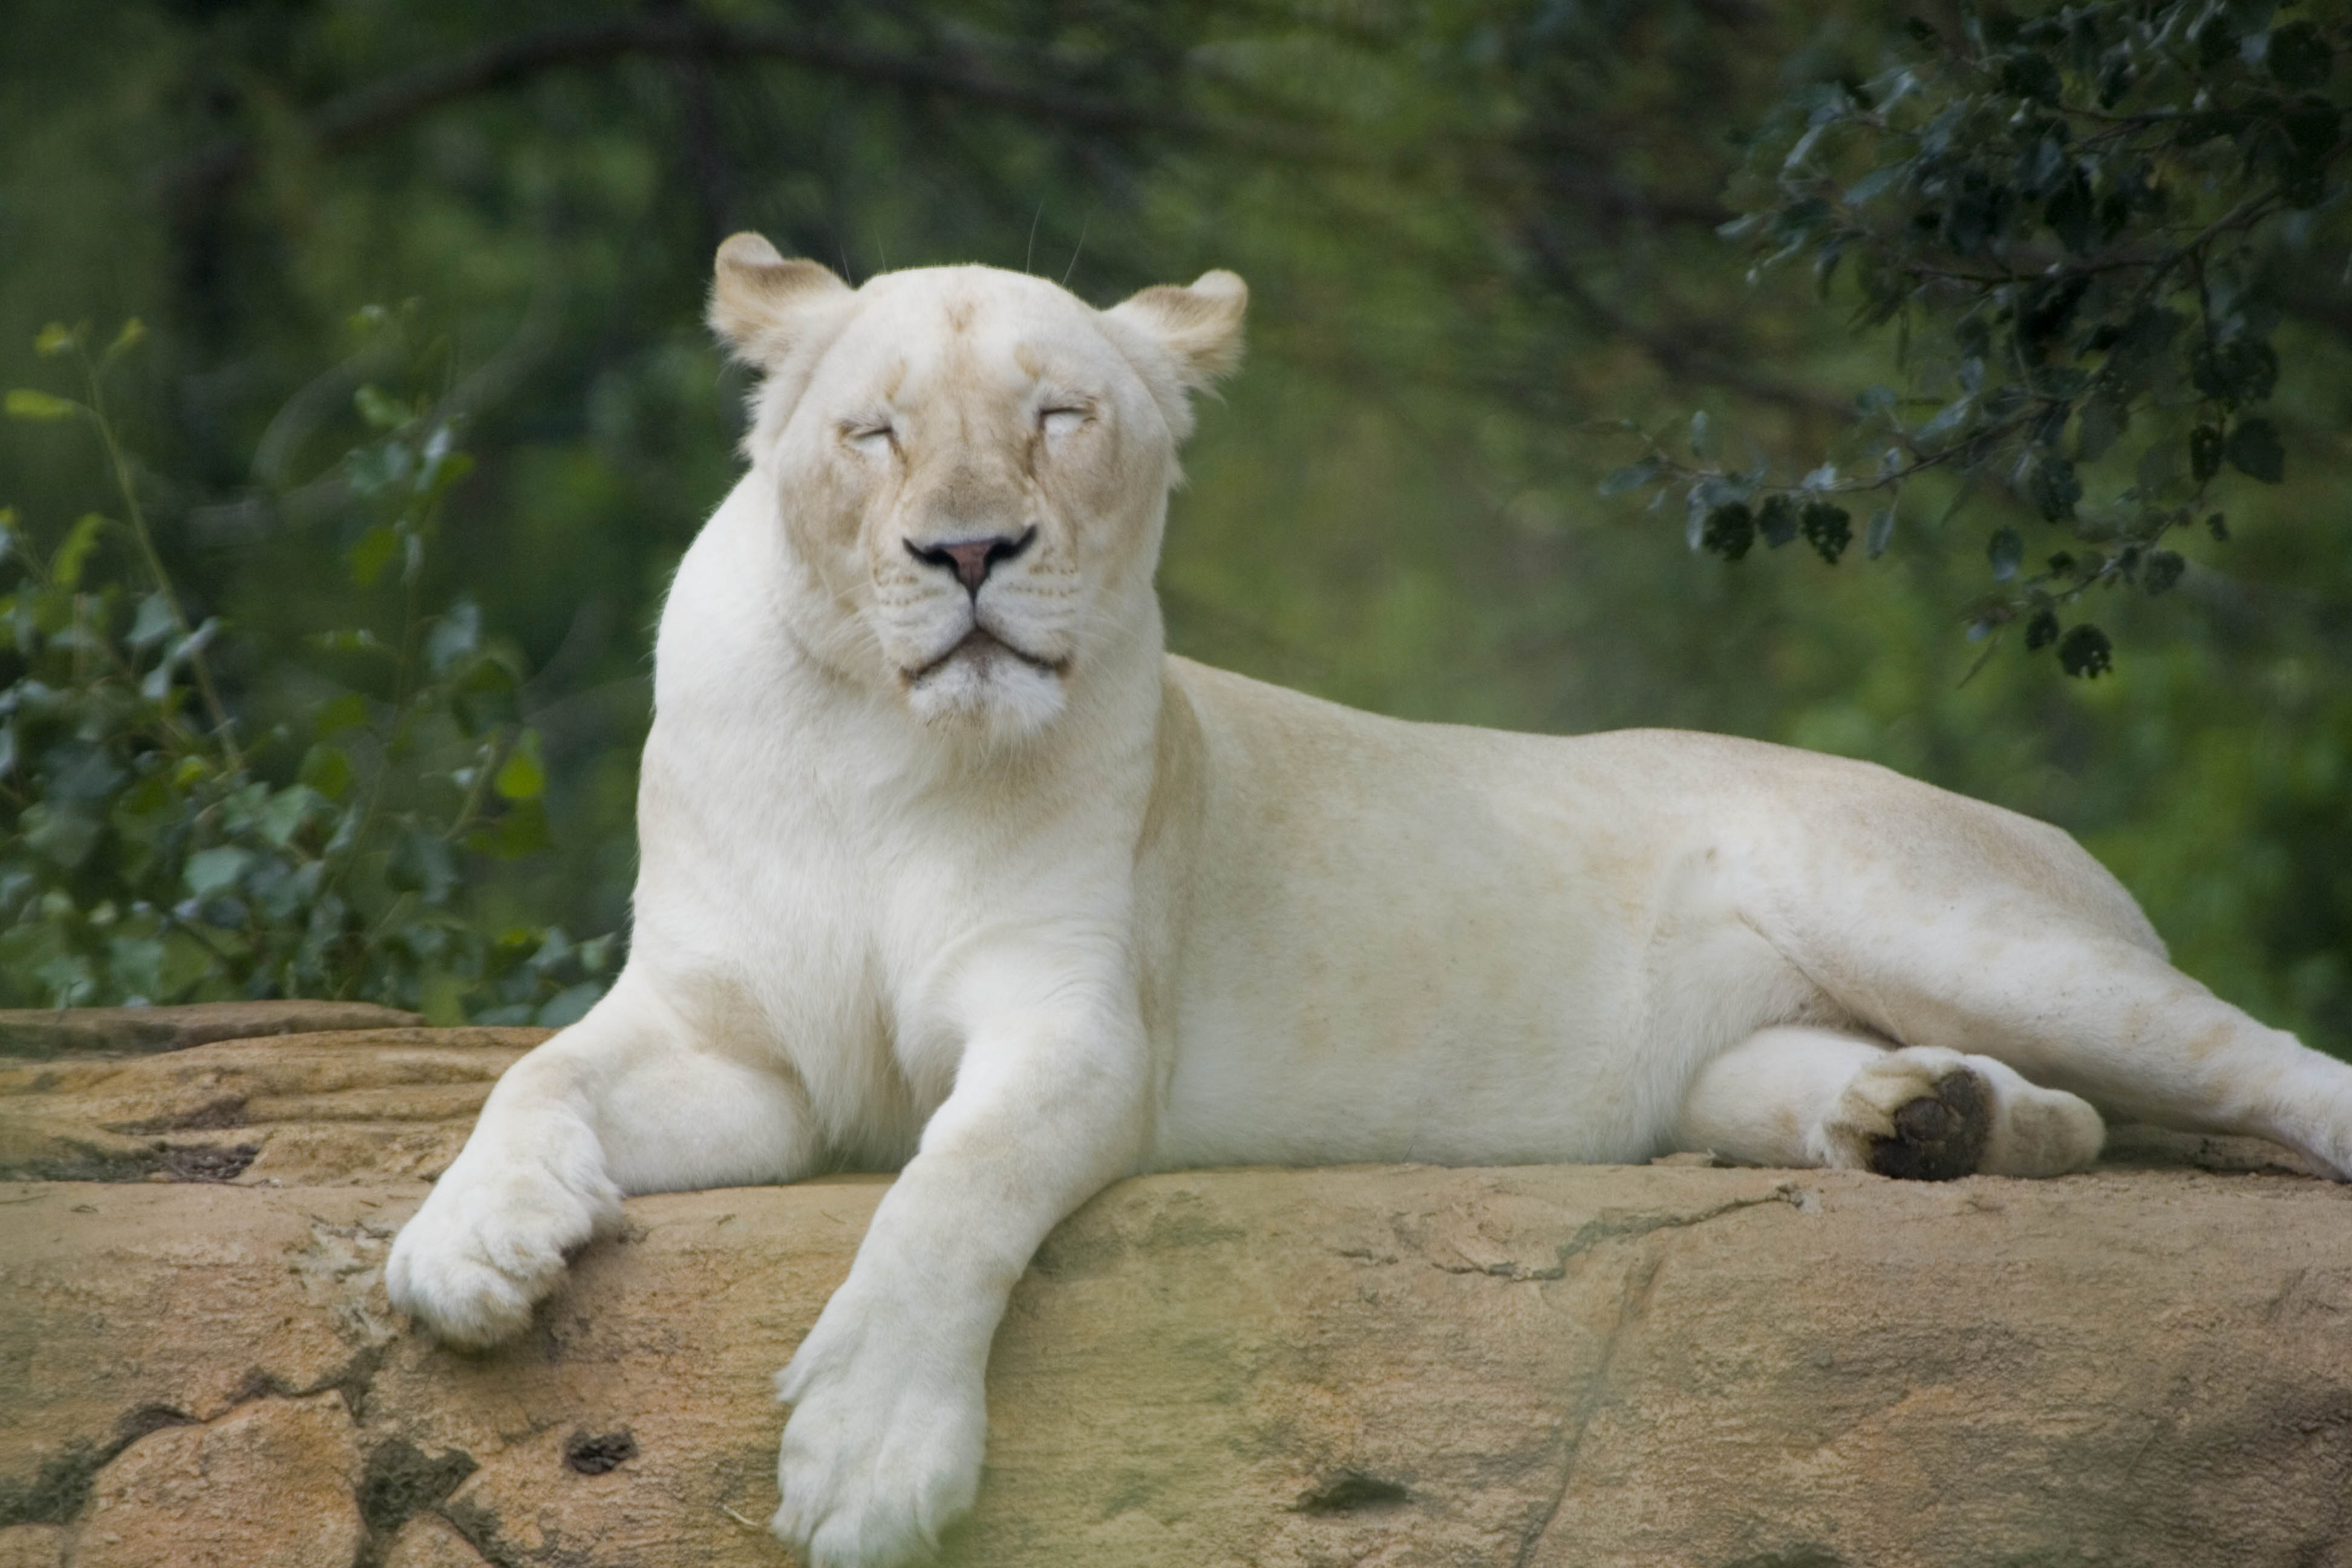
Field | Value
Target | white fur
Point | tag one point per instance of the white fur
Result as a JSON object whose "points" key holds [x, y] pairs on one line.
{"points": [[1024, 922]]}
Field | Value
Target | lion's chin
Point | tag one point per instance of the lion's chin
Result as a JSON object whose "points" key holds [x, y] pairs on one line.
{"points": [[984, 687]]}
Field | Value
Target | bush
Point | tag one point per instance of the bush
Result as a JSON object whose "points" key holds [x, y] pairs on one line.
{"points": [[155, 851]]}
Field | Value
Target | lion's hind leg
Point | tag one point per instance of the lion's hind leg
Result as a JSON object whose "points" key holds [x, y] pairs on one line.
{"points": [[1796, 1096], [2098, 1011]]}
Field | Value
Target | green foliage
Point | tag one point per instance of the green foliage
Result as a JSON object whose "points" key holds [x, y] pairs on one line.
{"points": [[1471, 229], [154, 852], [2082, 223]]}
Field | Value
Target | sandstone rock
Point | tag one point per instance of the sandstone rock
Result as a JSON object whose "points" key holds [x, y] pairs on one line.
{"points": [[428, 1541], [50, 1032], [1593, 1366], [32, 1546], [269, 1485], [358, 1105], [1673, 1365]]}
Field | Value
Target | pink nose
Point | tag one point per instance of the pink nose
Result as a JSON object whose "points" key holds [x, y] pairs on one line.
{"points": [[972, 560]]}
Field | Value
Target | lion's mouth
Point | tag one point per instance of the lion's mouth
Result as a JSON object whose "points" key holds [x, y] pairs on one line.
{"points": [[984, 645]]}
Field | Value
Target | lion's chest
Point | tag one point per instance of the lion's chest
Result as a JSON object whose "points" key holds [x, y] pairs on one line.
{"points": [[844, 925]]}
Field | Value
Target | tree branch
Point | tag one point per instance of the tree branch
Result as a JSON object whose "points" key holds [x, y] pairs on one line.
{"points": [[367, 112], [1679, 356]]}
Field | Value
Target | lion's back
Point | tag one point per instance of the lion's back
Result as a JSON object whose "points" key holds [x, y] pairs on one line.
{"points": [[1628, 806]]}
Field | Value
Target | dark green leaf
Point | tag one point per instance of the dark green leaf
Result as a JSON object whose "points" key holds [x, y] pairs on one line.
{"points": [[482, 697], [2117, 73], [521, 830], [2042, 630], [2054, 488], [2099, 426], [2299, 56], [421, 862], [2027, 75], [2254, 450], [2237, 372], [1729, 530], [2085, 651], [327, 770], [337, 714], [1775, 520], [2215, 41], [2161, 571], [79, 769], [1828, 529], [2074, 216], [2312, 126]]}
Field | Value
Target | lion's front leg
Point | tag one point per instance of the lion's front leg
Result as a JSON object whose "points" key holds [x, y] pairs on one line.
{"points": [[883, 1447], [621, 1101]]}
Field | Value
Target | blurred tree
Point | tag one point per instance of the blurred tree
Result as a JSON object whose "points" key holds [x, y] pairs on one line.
{"points": [[1475, 233]]}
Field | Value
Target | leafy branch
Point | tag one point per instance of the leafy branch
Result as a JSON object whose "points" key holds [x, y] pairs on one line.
{"points": [[2077, 225], [145, 859]]}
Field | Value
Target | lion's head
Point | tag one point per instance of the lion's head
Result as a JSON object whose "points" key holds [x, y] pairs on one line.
{"points": [[971, 467]]}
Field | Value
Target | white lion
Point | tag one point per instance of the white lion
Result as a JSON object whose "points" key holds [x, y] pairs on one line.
{"points": [[949, 865]]}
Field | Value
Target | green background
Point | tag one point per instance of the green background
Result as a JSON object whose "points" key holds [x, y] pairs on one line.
{"points": [[1474, 234]]}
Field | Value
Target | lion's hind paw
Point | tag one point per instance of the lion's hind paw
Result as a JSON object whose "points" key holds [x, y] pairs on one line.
{"points": [[1919, 1114]]}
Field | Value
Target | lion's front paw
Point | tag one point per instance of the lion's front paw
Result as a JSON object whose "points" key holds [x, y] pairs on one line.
{"points": [[1921, 1113], [488, 1243], [882, 1451]]}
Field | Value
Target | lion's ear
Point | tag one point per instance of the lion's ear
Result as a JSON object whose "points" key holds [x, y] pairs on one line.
{"points": [[760, 303], [1198, 327]]}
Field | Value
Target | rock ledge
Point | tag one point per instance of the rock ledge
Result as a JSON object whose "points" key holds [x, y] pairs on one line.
{"points": [[1610, 1367]]}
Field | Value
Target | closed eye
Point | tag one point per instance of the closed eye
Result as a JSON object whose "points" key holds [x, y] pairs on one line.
{"points": [[1061, 419], [872, 437]]}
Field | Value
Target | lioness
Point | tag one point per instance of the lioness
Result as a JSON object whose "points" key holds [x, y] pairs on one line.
{"points": [[949, 865]]}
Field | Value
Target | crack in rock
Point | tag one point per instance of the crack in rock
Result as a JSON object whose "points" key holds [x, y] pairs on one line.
{"points": [[84, 1162], [1640, 1283], [61, 1487], [1594, 1232], [213, 1117]]}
